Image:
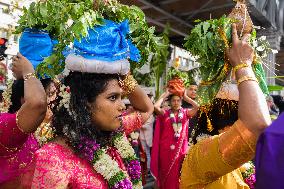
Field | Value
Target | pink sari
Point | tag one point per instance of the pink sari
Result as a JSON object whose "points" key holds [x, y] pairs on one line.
{"points": [[57, 166], [166, 162], [16, 150]]}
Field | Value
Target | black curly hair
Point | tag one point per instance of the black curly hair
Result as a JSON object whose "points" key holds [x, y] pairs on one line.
{"points": [[220, 113], [18, 93], [84, 88]]}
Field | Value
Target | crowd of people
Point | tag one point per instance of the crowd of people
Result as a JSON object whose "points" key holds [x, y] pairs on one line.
{"points": [[95, 127]]}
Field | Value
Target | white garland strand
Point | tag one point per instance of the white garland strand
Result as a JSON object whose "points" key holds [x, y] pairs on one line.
{"points": [[124, 148], [108, 167]]}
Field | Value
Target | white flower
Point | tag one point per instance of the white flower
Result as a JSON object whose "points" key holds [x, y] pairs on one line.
{"points": [[254, 43], [260, 48], [6, 102], [65, 95], [274, 51], [247, 165], [108, 167], [262, 38], [65, 72], [124, 148], [69, 23], [103, 168], [134, 135]]}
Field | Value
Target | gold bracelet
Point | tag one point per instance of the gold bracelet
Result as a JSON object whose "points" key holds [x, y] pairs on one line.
{"points": [[246, 78], [128, 84], [239, 66], [29, 75]]}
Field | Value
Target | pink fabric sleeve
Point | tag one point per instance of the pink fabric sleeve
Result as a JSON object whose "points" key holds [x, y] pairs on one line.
{"points": [[132, 122], [11, 138]]}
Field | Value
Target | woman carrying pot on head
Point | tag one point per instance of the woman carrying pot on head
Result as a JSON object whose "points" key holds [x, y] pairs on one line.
{"points": [[228, 130], [170, 138], [91, 149], [22, 110]]}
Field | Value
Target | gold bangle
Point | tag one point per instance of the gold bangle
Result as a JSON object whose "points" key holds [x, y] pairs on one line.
{"points": [[239, 66], [18, 125], [29, 75], [128, 84], [246, 78]]}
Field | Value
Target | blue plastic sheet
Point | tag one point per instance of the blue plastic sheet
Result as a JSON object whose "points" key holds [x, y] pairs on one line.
{"points": [[35, 45], [108, 43]]}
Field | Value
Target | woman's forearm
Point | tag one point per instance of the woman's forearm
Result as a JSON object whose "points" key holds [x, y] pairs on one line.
{"points": [[157, 105], [192, 102], [140, 101], [32, 112], [253, 109]]}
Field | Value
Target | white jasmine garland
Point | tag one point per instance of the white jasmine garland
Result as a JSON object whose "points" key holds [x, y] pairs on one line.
{"points": [[65, 95], [6, 103], [44, 133], [177, 126], [134, 135], [109, 168], [262, 38], [274, 51], [247, 166], [124, 148], [260, 48], [103, 168]]}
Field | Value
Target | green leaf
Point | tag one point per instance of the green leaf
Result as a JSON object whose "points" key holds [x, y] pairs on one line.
{"points": [[275, 88], [206, 25], [43, 10]]}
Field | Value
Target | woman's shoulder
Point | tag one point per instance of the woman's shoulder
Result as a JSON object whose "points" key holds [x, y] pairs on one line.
{"points": [[54, 153], [54, 148], [57, 158]]}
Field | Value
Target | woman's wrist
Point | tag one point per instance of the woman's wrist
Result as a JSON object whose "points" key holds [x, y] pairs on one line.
{"points": [[29, 76], [246, 71], [128, 84], [240, 66], [28, 71]]}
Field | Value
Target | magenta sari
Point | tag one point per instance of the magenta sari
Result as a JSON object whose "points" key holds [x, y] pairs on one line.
{"points": [[165, 161], [57, 166], [16, 150]]}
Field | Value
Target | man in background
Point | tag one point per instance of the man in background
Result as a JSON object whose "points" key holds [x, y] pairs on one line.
{"points": [[192, 93], [146, 135]]}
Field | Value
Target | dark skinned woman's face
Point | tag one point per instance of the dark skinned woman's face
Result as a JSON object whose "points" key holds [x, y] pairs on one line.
{"points": [[107, 108]]}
